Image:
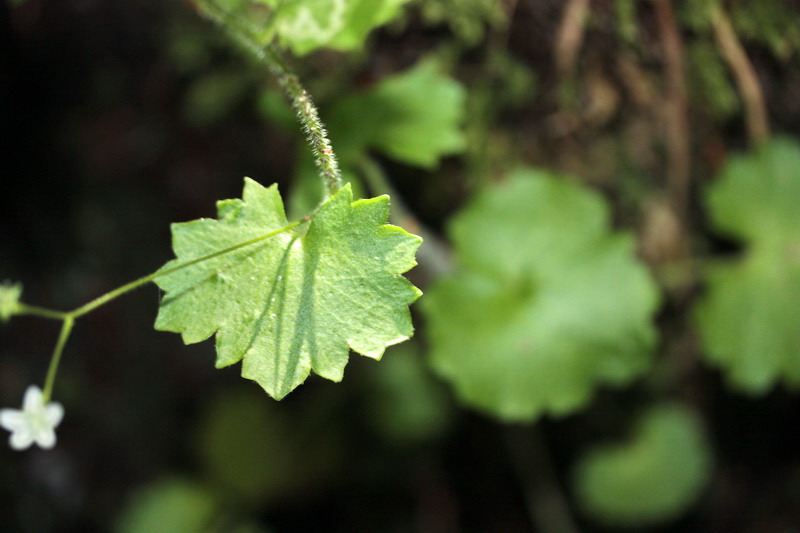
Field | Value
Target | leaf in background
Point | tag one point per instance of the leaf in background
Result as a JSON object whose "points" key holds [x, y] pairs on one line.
{"points": [[651, 479], [748, 317], [294, 302], [266, 464], [407, 405], [547, 302], [467, 19], [414, 117], [173, 505], [307, 25]]}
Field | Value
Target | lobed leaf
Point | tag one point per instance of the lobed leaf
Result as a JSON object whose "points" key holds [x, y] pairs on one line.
{"points": [[414, 117], [295, 302], [748, 315], [546, 303], [307, 25]]}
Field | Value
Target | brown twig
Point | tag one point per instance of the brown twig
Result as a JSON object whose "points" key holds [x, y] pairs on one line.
{"points": [[570, 35], [746, 79], [675, 114]]}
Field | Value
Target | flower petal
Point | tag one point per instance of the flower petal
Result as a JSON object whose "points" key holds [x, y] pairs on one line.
{"points": [[21, 439], [33, 399], [45, 438], [54, 413], [12, 419]]}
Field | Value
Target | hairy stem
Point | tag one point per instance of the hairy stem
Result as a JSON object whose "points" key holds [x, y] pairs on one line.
{"points": [[307, 114]]}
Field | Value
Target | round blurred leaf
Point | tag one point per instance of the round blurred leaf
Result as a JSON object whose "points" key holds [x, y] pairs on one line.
{"points": [[748, 317], [407, 405], [173, 505], [546, 305], [651, 479]]}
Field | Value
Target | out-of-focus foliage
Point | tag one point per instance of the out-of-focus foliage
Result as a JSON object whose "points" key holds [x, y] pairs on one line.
{"points": [[245, 444], [467, 19], [652, 478], [414, 117], [748, 317], [407, 406], [546, 305], [773, 23], [308, 25], [153, 115], [294, 302], [172, 504], [711, 85], [625, 15]]}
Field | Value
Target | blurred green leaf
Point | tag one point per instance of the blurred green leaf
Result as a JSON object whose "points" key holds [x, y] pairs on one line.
{"points": [[248, 447], [261, 462], [748, 316], [467, 19], [414, 117], [306, 25], [273, 106], [775, 24], [652, 478], [213, 97], [407, 405], [174, 505], [547, 302], [296, 301], [626, 20], [710, 83]]}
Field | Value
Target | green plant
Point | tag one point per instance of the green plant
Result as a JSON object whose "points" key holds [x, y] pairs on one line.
{"points": [[538, 304]]}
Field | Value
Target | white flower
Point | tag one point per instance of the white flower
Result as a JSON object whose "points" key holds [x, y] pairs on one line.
{"points": [[36, 422]]}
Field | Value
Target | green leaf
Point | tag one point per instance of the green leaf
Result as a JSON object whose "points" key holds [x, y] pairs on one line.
{"points": [[651, 479], [414, 117], [546, 303], [748, 315], [173, 505], [307, 25], [467, 19], [297, 301]]}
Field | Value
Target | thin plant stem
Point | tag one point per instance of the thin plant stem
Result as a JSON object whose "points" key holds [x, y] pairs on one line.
{"points": [[116, 293], [66, 329], [307, 114], [69, 317], [32, 310]]}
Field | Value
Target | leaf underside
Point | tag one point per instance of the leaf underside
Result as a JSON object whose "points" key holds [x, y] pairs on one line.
{"points": [[297, 301]]}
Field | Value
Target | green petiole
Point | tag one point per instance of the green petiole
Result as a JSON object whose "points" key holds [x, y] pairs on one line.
{"points": [[68, 317]]}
